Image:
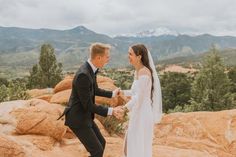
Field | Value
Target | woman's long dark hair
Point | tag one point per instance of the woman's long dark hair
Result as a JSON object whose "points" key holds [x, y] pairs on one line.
{"points": [[140, 49]]}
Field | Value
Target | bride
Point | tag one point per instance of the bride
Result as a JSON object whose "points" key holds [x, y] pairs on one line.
{"points": [[145, 106]]}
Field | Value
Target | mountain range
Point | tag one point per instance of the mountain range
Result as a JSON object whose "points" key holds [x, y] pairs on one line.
{"points": [[153, 32], [21, 46]]}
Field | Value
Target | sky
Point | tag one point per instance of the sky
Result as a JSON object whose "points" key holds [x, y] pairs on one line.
{"points": [[116, 17]]}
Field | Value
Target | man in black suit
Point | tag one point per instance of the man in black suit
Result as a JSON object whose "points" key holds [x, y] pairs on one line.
{"points": [[79, 115]]}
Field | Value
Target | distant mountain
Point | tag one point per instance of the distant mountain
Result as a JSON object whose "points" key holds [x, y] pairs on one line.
{"points": [[153, 32], [228, 56], [21, 46], [14, 39]]}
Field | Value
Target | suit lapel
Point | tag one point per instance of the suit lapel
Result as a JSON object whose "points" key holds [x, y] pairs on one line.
{"points": [[93, 78], [90, 69]]}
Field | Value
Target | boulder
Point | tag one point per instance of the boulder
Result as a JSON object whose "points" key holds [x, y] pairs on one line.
{"points": [[63, 91], [211, 132], [39, 92], [63, 85], [61, 97], [40, 119], [8, 121], [9, 148], [101, 79], [46, 97]]}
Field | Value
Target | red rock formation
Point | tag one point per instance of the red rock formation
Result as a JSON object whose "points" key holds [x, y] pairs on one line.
{"points": [[39, 92], [211, 132], [40, 118], [9, 148], [195, 134], [61, 97], [101, 79], [63, 85], [62, 90]]}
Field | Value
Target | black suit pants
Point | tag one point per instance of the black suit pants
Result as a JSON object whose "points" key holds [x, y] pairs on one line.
{"points": [[92, 139]]}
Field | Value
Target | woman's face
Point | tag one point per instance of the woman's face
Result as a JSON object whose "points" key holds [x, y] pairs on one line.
{"points": [[133, 59]]}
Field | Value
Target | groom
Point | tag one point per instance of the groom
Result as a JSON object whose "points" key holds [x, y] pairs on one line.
{"points": [[79, 115]]}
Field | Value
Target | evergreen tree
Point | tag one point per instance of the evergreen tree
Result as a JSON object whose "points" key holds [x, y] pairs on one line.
{"points": [[176, 89], [16, 90], [3, 81], [34, 79], [211, 87], [3, 93], [47, 73], [232, 77]]}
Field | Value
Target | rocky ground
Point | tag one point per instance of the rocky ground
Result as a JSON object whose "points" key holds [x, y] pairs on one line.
{"points": [[28, 128]]}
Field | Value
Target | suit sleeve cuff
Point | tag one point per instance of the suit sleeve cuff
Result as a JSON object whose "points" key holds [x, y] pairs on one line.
{"points": [[113, 94], [110, 110]]}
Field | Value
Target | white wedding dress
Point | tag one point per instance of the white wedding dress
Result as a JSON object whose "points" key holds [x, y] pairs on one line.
{"points": [[139, 135]]}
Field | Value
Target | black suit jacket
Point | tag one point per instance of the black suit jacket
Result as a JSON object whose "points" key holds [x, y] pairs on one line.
{"points": [[81, 107]]}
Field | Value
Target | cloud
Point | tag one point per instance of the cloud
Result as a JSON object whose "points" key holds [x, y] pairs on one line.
{"points": [[123, 16]]}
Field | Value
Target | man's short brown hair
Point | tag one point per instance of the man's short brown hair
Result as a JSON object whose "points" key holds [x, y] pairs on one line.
{"points": [[98, 49]]}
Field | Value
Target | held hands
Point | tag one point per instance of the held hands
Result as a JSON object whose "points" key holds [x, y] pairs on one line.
{"points": [[121, 93], [118, 112], [117, 92]]}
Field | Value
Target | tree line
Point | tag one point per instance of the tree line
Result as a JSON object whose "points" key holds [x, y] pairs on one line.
{"points": [[212, 88], [45, 74]]}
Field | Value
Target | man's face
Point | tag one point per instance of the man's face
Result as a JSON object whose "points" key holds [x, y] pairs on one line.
{"points": [[103, 60]]}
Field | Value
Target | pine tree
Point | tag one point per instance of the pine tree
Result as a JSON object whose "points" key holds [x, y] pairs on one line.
{"points": [[211, 88], [47, 73], [34, 79], [232, 77], [176, 89], [3, 93]]}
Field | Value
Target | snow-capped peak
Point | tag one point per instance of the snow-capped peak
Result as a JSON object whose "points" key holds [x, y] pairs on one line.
{"points": [[153, 32], [156, 32]]}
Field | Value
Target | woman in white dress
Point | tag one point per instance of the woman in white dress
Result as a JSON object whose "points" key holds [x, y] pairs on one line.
{"points": [[145, 106]]}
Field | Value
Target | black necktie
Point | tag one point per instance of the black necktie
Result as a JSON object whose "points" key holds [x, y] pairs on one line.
{"points": [[96, 71]]}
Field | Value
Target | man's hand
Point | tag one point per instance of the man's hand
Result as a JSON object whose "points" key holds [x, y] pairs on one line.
{"points": [[118, 112], [121, 93], [116, 92]]}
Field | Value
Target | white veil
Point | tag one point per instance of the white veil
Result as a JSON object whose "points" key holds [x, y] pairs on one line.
{"points": [[157, 98]]}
